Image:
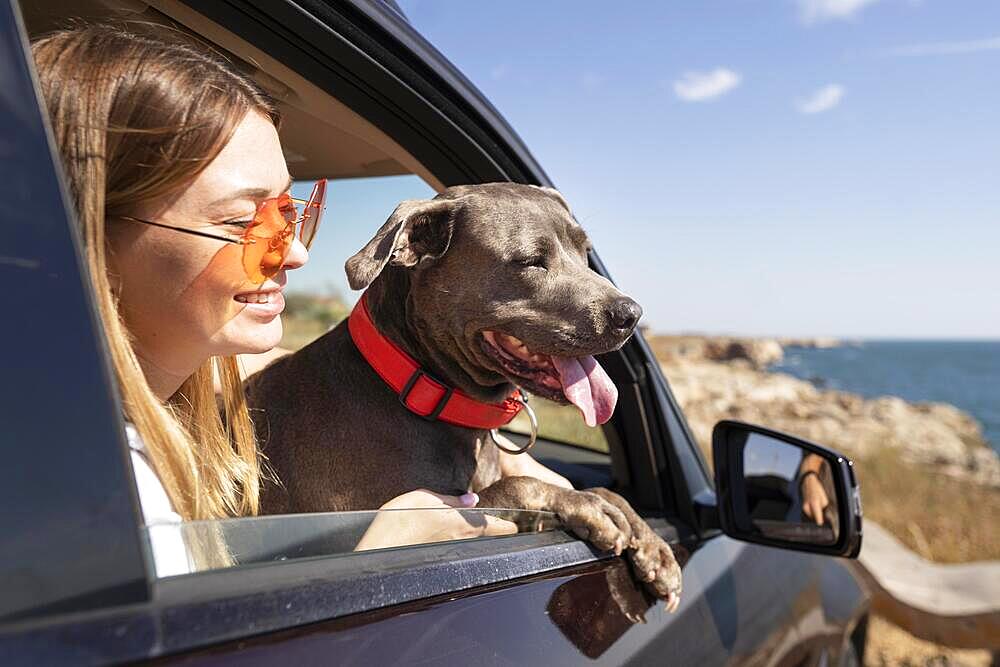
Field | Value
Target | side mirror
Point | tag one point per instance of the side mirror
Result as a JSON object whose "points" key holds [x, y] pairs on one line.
{"points": [[782, 491]]}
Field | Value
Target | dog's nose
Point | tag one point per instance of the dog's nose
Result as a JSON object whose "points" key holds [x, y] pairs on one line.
{"points": [[624, 314]]}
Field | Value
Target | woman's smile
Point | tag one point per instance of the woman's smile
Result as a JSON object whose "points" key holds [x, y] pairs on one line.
{"points": [[267, 303]]}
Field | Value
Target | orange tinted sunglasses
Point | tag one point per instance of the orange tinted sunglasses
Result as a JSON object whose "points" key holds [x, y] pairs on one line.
{"points": [[269, 236]]}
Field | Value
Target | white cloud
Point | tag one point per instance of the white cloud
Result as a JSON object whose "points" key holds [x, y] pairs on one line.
{"points": [[815, 11], [700, 86], [946, 48], [499, 72], [822, 100]]}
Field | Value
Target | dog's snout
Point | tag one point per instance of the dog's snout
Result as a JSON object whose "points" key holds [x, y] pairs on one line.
{"points": [[624, 314]]}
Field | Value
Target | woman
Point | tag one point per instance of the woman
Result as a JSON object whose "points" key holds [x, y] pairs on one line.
{"points": [[175, 168]]}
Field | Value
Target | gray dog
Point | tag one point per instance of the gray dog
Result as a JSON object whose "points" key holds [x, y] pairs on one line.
{"points": [[487, 288]]}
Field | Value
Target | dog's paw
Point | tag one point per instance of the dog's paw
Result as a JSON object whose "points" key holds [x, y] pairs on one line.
{"points": [[652, 559], [655, 564], [594, 519]]}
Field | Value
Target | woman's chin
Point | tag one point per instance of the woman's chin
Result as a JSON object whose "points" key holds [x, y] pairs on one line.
{"points": [[254, 339]]}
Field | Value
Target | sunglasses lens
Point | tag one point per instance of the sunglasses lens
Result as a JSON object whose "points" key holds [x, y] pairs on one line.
{"points": [[312, 213], [269, 239], [287, 208]]}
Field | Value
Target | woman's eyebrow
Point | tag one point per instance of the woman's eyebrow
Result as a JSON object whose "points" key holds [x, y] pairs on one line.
{"points": [[251, 193]]}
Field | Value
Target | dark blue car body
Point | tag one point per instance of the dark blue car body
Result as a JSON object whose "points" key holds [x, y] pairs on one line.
{"points": [[78, 587]]}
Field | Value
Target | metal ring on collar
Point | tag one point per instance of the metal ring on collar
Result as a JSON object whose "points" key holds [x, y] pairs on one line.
{"points": [[495, 435]]}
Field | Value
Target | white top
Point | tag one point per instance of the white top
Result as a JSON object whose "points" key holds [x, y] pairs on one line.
{"points": [[163, 524]]}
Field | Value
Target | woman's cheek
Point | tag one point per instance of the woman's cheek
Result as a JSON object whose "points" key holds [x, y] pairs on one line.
{"points": [[216, 286], [211, 290]]}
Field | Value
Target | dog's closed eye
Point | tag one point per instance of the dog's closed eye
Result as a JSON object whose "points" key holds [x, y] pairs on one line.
{"points": [[534, 261]]}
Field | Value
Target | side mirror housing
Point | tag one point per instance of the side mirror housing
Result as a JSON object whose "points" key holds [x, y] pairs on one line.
{"points": [[783, 491]]}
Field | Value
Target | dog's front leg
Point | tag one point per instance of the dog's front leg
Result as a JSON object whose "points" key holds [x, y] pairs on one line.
{"points": [[652, 559], [602, 517], [587, 514]]}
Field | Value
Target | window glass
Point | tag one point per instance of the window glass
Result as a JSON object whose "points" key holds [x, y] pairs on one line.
{"points": [[368, 175], [318, 296], [197, 546], [561, 423]]}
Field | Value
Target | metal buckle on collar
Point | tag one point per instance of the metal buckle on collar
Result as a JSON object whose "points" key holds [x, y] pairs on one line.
{"points": [[532, 419], [408, 387]]}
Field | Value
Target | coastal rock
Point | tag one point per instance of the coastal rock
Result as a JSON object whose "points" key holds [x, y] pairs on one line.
{"points": [[932, 434], [820, 343], [756, 353], [760, 353]]}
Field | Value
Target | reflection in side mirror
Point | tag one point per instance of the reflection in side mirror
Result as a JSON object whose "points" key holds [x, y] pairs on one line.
{"points": [[789, 492], [782, 491]]}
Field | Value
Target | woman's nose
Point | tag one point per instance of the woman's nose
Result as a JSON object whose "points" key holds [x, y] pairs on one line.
{"points": [[297, 255]]}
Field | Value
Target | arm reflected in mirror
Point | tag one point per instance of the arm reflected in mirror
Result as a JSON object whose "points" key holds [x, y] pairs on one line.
{"points": [[814, 497]]}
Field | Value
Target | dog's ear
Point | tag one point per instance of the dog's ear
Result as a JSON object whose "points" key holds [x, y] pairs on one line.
{"points": [[417, 230]]}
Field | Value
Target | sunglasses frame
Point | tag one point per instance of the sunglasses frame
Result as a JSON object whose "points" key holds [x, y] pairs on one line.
{"points": [[248, 238]]}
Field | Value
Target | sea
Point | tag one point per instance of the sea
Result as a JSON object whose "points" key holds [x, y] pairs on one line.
{"points": [[963, 373]]}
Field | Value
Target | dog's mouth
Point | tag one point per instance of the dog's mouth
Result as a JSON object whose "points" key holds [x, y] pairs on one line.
{"points": [[577, 380]]}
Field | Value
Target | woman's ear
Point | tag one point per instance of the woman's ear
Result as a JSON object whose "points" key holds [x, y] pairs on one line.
{"points": [[418, 229]]}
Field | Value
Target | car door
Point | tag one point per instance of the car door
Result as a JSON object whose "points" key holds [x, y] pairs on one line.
{"points": [[84, 587]]}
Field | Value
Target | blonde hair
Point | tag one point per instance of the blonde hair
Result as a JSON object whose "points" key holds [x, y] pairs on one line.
{"points": [[138, 116]]}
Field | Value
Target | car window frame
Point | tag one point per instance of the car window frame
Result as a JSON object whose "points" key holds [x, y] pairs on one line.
{"points": [[70, 531], [371, 59], [200, 609]]}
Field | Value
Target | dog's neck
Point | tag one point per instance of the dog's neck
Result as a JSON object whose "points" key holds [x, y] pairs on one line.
{"points": [[393, 317]]}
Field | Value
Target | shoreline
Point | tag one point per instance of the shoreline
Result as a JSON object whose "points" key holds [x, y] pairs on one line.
{"points": [[916, 371], [719, 377]]}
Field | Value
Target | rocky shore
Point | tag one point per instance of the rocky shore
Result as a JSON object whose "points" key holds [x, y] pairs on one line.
{"points": [[726, 378], [901, 448]]}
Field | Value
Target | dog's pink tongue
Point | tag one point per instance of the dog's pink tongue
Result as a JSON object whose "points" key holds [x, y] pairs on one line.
{"points": [[588, 387]]}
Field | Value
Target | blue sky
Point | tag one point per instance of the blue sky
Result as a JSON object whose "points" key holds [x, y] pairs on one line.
{"points": [[814, 167]]}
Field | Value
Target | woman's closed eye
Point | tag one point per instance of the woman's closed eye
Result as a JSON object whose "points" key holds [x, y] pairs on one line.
{"points": [[238, 223]]}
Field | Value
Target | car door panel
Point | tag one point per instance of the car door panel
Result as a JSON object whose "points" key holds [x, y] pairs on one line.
{"points": [[743, 604]]}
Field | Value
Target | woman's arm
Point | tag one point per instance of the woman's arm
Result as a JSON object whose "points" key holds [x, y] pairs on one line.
{"points": [[814, 498], [435, 519]]}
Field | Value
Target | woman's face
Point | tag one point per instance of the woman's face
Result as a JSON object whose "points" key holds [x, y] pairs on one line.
{"points": [[185, 298]]}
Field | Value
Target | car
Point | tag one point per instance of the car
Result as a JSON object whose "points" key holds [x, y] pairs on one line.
{"points": [[364, 96]]}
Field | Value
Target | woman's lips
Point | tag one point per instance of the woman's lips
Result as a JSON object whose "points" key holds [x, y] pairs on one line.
{"points": [[269, 303]]}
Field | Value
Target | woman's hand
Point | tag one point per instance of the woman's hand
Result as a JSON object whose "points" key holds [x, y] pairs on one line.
{"points": [[814, 498], [435, 519]]}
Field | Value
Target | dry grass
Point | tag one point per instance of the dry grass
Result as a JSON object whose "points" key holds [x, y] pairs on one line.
{"points": [[309, 316], [299, 332], [889, 645], [941, 518]]}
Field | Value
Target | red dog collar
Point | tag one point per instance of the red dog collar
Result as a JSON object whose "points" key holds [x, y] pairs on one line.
{"points": [[418, 390]]}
